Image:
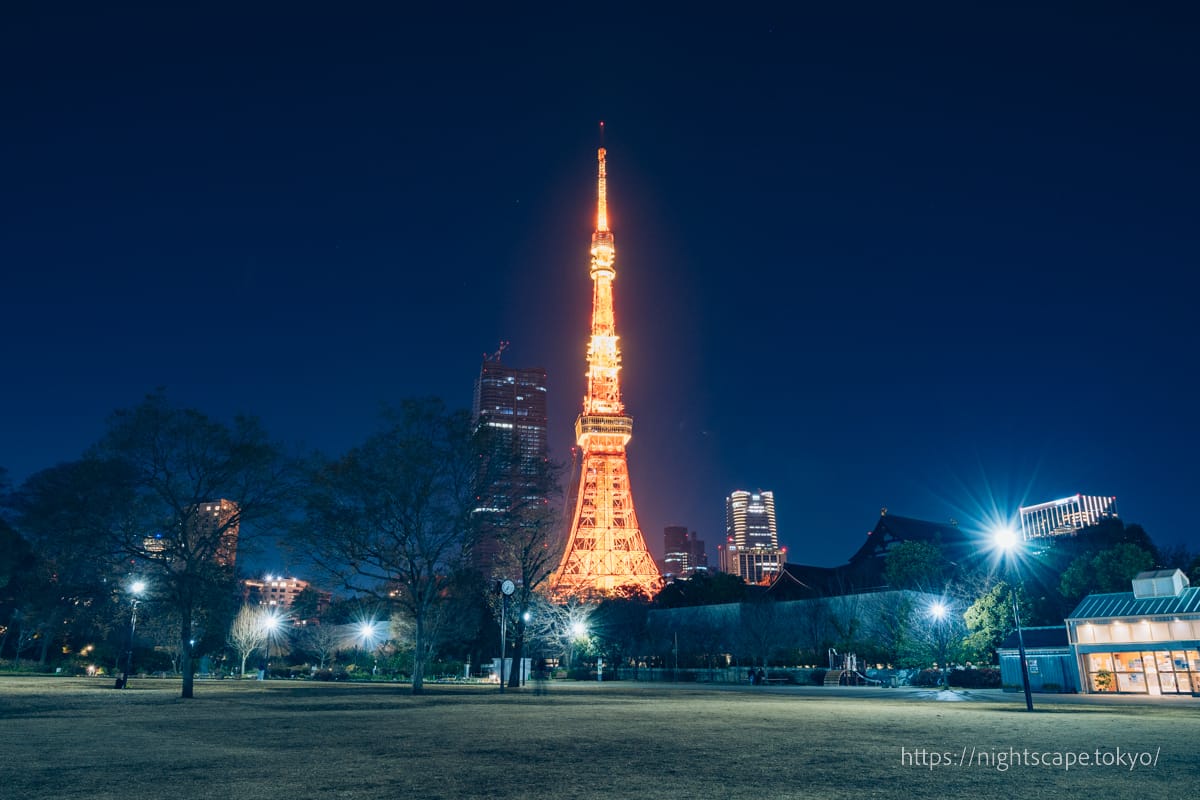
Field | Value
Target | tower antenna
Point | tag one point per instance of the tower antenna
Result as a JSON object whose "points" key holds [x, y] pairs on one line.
{"points": [[605, 551], [496, 355]]}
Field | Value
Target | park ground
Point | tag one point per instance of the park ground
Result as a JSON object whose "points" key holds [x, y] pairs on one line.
{"points": [[68, 738]]}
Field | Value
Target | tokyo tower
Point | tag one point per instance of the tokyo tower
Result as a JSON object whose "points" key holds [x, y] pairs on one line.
{"points": [[605, 551]]}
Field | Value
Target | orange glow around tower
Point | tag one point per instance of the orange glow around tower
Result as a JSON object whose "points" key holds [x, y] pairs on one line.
{"points": [[605, 551]]}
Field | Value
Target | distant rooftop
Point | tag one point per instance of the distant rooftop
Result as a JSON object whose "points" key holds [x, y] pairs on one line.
{"points": [[1049, 636]]}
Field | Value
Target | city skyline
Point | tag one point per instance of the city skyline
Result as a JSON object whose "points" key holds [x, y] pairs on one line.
{"points": [[927, 260]]}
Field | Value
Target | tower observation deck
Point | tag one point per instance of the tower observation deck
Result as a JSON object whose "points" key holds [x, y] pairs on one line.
{"points": [[605, 551]]}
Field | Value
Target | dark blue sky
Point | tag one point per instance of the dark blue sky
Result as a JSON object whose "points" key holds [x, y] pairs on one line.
{"points": [[922, 257]]}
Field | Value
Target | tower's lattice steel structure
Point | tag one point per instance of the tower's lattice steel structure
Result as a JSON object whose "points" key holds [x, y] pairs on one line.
{"points": [[605, 550]]}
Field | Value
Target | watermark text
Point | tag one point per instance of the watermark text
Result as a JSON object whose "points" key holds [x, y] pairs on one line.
{"points": [[1002, 759]]}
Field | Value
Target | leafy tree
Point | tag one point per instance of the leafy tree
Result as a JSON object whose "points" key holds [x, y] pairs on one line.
{"points": [[17, 564], [1182, 557], [619, 627], [702, 589], [915, 565], [1193, 571], [1062, 551], [935, 634], [896, 632], [990, 618], [391, 520], [16, 556], [174, 462], [67, 513], [1109, 570], [307, 605]]}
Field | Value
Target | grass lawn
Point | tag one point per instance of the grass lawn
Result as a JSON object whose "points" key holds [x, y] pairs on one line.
{"points": [[78, 738]]}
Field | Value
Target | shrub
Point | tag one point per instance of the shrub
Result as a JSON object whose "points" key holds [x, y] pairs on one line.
{"points": [[588, 674], [817, 677], [930, 678], [448, 669], [976, 678]]}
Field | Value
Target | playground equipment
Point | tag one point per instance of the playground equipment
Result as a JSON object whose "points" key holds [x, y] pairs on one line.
{"points": [[846, 670]]}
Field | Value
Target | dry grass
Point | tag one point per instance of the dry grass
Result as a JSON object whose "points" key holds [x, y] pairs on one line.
{"points": [[68, 738]]}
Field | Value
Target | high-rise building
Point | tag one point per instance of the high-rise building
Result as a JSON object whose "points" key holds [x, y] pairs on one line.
{"points": [[221, 519], [510, 402], [605, 550], [751, 548], [1066, 515], [683, 553], [276, 591], [210, 531]]}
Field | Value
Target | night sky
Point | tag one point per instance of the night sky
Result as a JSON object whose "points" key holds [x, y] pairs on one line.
{"points": [[938, 258]]}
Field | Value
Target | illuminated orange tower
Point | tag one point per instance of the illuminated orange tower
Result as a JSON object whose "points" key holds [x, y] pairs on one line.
{"points": [[605, 550]]}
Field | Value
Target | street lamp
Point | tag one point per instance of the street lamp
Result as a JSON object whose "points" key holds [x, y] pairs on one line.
{"points": [[1007, 541], [939, 611], [135, 591], [270, 629], [579, 633], [367, 635], [526, 618]]}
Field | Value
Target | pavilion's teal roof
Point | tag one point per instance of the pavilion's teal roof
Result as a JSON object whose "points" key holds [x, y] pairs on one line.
{"points": [[1124, 604]]}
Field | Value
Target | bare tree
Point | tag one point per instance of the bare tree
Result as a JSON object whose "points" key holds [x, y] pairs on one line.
{"points": [[247, 634], [161, 627], [561, 628], [392, 518], [813, 628], [762, 630], [529, 549], [198, 487], [322, 641], [847, 621]]}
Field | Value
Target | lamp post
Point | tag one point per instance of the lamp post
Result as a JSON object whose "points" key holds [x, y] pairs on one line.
{"points": [[526, 617], [366, 638], [507, 587], [1006, 540], [135, 591], [939, 612], [578, 634], [270, 624]]}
